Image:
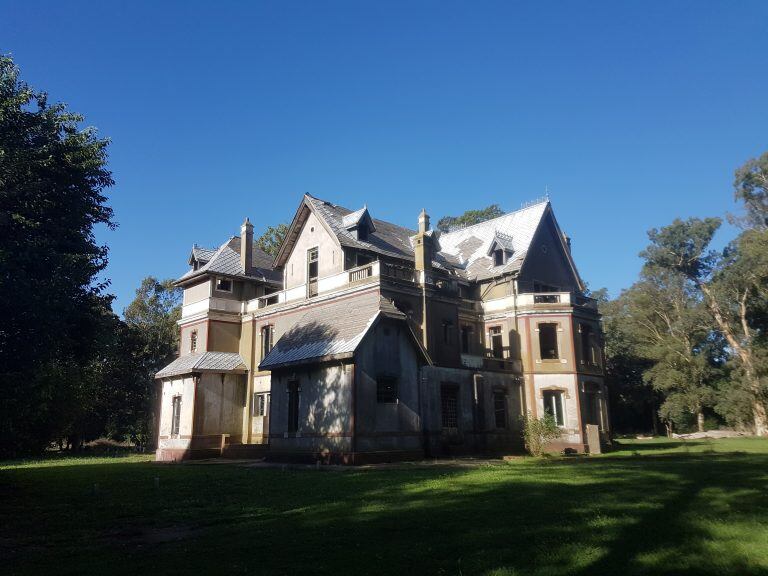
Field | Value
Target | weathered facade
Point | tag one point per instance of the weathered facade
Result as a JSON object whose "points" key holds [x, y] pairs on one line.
{"points": [[366, 341]]}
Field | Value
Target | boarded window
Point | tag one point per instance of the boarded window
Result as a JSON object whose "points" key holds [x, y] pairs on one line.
{"points": [[548, 341], [260, 404], [386, 390], [267, 337], [449, 403], [176, 415], [193, 341], [293, 406], [553, 405], [500, 408]]}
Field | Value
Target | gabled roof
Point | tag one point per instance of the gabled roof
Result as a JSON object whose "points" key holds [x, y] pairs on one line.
{"points": [[204, 362], [384, 238], [201, 255], [332, 331], [503, 241], [226, 261], [471, 246]]}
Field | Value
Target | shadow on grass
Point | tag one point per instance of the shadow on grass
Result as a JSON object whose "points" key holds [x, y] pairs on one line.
{"points": [[655, 446], [658, 514]]}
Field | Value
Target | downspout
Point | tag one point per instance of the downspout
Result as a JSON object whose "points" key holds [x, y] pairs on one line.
{"points": [[352, 423]]}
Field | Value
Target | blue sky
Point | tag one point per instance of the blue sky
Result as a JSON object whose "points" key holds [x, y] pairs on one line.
{"points": [[630, 113]]}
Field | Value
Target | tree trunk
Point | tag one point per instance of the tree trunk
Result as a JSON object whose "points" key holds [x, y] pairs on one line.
{"points": [[700, 421], [745, 355]]}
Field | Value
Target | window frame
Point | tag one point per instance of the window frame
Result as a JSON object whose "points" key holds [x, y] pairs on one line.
{"points": [[193, 341], [175, 414], [268, 343], [388, 395], [499, 257], [555, 326], [555, 394], [502, 395], [450, 392], [293, 390], [223, 290]]}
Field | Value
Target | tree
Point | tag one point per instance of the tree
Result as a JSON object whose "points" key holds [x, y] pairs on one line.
{"points": [[53, 176], [446, 223], [751, 188], [671, 329], [150, 340], [272, 238], [732, 286]]}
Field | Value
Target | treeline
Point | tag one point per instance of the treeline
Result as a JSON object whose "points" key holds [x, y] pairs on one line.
{"points": [[70, 370], [686, 345]]}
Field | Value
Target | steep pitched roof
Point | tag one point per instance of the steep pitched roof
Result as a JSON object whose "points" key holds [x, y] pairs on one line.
{"points": [[331, 331], [226, 261], [470, 246], [203, 362]]}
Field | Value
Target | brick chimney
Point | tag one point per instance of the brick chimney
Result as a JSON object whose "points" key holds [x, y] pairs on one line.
{"points": [[423, 244], [246, 246]]}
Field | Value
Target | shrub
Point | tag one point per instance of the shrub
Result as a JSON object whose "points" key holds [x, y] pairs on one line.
{"points": [[538, 432]]}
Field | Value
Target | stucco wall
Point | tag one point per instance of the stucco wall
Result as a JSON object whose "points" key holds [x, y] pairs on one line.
{"points": [[330, 255], [172, 447], [567, 384], [197, 292], [185, 337], [224, 336]]}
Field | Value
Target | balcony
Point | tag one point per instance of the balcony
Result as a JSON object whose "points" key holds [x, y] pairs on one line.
{"points": [[211, 305], [360, 275], [539, 300]]}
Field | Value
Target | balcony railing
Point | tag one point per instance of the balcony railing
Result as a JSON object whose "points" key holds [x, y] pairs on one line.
{"points": [[538, 299]]}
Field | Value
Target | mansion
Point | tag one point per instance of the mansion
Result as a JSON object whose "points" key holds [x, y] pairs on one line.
{"points": [[364, 341]]}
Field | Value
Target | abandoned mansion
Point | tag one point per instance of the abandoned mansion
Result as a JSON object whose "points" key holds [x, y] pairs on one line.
{"points": [[365, 341]]}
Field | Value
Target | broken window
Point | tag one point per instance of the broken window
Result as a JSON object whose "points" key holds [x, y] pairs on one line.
{"points": [[449, 403], [497, 343], [386, 390], [260, 403], [498, 257], [193, 341], [312, 271], [223, 284], [175, 415], [553, 405], [548, 341], [588, 352], [466, 338], [267, 336], [500, 408]]}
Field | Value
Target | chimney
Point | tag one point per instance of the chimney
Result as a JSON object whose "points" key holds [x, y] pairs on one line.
{"points": [[246, 246], [423, 244]]}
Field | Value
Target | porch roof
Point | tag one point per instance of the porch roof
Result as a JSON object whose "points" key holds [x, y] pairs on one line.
{"points": [[204, 362]]}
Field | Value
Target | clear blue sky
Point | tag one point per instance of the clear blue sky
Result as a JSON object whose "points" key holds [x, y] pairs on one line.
{"points": [[632, 113]]}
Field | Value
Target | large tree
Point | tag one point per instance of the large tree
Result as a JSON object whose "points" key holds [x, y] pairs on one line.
{"points": [[446, 223], [53, 177], [272, 238]]}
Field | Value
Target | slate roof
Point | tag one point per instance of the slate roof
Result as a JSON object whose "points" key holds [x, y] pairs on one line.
{"points": [[469, 247], [203, 362], [226, 261], [387, 239], [334, 330]]}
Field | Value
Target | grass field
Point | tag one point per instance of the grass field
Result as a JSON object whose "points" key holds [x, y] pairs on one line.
{"points": [[651, 507]]}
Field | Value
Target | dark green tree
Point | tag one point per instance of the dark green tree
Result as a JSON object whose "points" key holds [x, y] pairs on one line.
{"points": [[272, 238], [53, 177], [469, 217]]}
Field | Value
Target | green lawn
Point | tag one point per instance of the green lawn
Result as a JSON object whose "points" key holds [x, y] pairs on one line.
{"points": [[652, 507]]}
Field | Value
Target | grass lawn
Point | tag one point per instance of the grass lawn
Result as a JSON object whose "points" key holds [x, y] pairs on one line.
{"points": [[651, 507]]}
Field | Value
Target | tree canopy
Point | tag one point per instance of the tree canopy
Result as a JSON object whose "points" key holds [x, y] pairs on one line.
{"points": [[272, 238], [446, 223]]}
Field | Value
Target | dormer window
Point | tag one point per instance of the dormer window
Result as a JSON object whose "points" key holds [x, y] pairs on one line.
{"points": [[223, 285], [362, 232], [498, 257]]}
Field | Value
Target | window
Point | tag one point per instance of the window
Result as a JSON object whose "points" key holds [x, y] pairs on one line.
{"points": [[175, 415], [593, 411], [447, 325], [449, 404], [553, 405], [293, 406], [260, 404], [497, 344], [466, 338], [223, 284], [498, 257], [193, 341], [548, 341], [588, 353], [386, 390], [362, 232], [267, 336], [312, 271], [500, 408]]}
